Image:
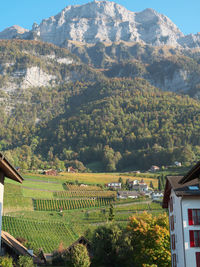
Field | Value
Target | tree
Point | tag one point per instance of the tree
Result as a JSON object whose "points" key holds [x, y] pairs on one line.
{"points": [[111, 215], [127, 184], [150, 240], [120, 180], [6, 261], [25, 261], [151, 185], [106, 245], [79, 256]]}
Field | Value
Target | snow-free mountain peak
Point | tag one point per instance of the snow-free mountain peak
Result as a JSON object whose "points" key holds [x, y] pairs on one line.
{"points": [[105, 21]]}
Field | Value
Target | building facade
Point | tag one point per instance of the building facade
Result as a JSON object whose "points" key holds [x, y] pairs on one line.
{"points": [[182, 198]]}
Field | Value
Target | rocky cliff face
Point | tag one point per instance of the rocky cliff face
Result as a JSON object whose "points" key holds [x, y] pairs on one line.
{"points": [[107, 22], [102, 34], [102, 21], [14, 32]]}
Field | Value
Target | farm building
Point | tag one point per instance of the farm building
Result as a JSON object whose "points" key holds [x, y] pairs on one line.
{"points": [[50, 172], [182, 198], [127, 194]]}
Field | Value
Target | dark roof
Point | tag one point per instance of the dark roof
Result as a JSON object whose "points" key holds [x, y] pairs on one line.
{"points": [[173, 182], [192, 174], [14, 244], [81, 240], [8, 170]]}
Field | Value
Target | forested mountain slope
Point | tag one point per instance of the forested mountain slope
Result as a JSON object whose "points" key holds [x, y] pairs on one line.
{"points": [[57, 110]]}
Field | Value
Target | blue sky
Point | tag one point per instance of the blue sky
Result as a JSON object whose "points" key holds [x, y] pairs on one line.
{"points": [[185, 14]]}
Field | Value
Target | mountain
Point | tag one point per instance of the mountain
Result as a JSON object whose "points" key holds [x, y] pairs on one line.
{"points": [[90, 86], [14, 32], [104, 21]]}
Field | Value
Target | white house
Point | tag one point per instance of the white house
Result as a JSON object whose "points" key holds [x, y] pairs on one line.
{"points": [[140, 186], [114, 185], [182, 198], [154, 168], [127, 194], [177, 164]]}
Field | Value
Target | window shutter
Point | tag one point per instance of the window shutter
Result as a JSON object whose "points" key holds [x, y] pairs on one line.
{"points": [[198, 259], [173, 242], [191, 239], [171, 204], [190, 220], [174, 260], [172, 222]]}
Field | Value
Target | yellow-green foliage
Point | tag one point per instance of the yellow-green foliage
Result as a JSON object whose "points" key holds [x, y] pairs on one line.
{"points": [[103, 178]]}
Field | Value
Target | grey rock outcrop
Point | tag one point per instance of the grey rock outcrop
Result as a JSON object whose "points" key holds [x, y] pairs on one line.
{"points": [[14, 32], [190, 41], [101, 21]]}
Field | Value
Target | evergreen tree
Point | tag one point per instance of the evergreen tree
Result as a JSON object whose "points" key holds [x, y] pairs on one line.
{"points": [[120, 180], [151, 185], [159, 183], [111, 215], [79, 256]]}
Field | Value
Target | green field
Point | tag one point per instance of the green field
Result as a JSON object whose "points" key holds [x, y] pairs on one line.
{"points": [[32, 209]]}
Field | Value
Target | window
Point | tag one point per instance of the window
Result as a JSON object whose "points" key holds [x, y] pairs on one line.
{"points": [[195, 238], [171, 204], [173, 241], [194, 216], [174, 260], [172, 222], [198, 259]]}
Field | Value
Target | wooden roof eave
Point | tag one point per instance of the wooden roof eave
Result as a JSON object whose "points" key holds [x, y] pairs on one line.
{"points": [[8, 170], [192, 174], [167, 193]]}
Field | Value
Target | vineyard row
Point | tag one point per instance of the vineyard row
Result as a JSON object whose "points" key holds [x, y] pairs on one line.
{"points": [[66, 204]]}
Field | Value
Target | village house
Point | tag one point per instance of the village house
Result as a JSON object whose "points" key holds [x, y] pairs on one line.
{"points": [[50, 172], [182, 198], [177, 164], [157, 195], [127, 194], [71, 169], [140, 186], [114, 185], [154, 168]]}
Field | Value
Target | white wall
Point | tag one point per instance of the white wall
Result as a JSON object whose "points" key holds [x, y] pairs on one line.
{"points": [[1, 203], [190, 203], [178, 231]]}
